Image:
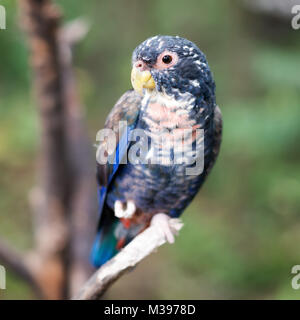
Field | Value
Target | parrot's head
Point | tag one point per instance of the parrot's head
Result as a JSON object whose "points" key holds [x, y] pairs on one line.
{"points": [[171, 65]]}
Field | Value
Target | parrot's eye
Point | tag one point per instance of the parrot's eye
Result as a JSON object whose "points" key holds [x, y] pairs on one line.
{"points": [[167, 59]]}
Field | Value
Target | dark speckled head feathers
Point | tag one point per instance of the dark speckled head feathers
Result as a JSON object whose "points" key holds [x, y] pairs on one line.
{"points": [[189, 73]]}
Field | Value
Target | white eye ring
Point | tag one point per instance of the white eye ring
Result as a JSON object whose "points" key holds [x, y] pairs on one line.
{"points": [[166, 60]]}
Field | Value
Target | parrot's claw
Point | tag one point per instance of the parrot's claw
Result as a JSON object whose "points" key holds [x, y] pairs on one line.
{"points": [[127, 213], [161, 221]]}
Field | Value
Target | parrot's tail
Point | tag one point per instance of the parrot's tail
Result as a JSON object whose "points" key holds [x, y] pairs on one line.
{"points": [[112, 236], [105, 245]]}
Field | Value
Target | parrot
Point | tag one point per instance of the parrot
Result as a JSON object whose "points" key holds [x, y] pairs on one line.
{"points": [[173, 90]]}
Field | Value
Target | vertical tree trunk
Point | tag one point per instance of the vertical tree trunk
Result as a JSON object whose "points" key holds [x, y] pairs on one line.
{"points": [[63, 200]]}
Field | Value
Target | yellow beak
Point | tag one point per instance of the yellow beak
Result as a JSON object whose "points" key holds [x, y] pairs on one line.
{"points": [[141, 79]]}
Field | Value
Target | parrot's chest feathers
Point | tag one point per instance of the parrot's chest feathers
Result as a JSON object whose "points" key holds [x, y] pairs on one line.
{"points": [[169, 123], [162, 112]]}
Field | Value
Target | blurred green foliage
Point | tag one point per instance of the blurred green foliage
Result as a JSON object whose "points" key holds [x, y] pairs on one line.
{"points": [[241, 233]]}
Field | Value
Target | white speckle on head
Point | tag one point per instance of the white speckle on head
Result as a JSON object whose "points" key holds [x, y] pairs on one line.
{"points": [[148, 42], [160, 44], [195, 83]]}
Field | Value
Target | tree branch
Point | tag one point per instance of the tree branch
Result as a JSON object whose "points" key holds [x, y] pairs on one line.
{"points": [[138, 249]]}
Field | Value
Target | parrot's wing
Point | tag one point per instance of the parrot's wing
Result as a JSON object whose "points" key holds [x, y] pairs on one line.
{"points": [[127, 110]]}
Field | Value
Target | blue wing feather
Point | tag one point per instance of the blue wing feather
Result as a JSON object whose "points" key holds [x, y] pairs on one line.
{"points": [[126, 109]]}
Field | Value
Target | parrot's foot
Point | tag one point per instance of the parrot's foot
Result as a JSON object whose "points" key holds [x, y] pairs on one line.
{"points": [[161, 221], [127, 212]]}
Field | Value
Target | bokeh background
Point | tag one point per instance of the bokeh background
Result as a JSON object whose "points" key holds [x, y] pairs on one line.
{"points": [[242, 232]]}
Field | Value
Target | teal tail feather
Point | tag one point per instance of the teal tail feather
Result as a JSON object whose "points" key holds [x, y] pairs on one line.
{"points": [[105, 245]]}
